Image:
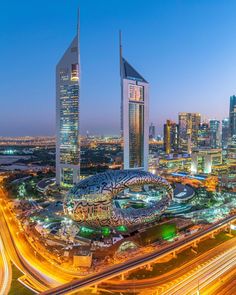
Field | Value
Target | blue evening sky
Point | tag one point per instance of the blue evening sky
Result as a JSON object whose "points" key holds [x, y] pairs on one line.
{"points": [[186, 49]]}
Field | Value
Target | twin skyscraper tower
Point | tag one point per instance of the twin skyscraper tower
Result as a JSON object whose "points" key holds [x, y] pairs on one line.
{"points": [[134, 115]]}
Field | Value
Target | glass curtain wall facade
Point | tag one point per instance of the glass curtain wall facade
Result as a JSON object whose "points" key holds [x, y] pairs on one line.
{"points": [[171, 137], [232, 116], [136, 134], [204, 135], [188, 131], [225, 133], [67, 116], [214, 134], [134, 117]]}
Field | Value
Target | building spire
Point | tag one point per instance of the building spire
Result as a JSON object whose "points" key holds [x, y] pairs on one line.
{"points": [[78, 23], [120, 47]]}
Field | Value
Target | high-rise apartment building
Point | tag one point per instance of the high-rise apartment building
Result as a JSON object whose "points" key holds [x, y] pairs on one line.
{"points": [[232, 116], [188, 131], [215, 134], [171, 137], [225, 133], [67, 115], [134, 116]]}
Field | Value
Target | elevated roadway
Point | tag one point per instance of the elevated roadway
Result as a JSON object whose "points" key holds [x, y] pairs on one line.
{"points": [[140, 261], [168, 278]]}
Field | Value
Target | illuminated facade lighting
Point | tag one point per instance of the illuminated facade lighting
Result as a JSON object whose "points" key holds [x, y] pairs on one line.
{"points": [[188, 131], [67, 115], [171, 137]]}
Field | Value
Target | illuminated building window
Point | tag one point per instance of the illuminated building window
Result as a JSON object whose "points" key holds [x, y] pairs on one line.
{"points": [[64, 75], [136, 134], [74, 72], [136, 92], [67, 176]]}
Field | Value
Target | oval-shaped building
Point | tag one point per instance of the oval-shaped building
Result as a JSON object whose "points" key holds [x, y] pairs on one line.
{"points": [[118, 197]]}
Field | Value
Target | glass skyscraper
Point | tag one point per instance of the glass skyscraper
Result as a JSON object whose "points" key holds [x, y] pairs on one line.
{"points": [[225, 133], [171, 137], [204, 135], [214, 134], [232, 116], [188, 131], [134, 116], [67, 115], [152, 131]]}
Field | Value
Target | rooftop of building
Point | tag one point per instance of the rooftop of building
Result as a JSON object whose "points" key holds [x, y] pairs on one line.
{"points": [[130, 73]]}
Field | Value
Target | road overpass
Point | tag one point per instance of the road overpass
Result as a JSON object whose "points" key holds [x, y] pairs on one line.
{"points": [[164, 281], [121, 269]]}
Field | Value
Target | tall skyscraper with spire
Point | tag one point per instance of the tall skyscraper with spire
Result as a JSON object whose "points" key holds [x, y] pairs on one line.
{"points": [[134, 116], [67, 115]]}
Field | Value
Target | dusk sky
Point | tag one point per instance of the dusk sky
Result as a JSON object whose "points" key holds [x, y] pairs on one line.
{"points": [[185, 49]]}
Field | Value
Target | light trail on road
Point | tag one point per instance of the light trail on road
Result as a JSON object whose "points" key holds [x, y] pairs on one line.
{"points": [[22, 256], [139, 261], [43, 276], [224, 285], [5, 282], [142, 284], [202, 276]]}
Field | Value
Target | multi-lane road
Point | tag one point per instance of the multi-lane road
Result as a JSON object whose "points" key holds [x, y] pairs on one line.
{"points": [[5, 270], [132, 264], [165, 280], [224, 285], [48, 279], [40, 275], [203, 276]]}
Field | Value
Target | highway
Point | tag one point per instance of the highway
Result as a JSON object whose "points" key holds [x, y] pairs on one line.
{"points": [[203, 276], [15, 256], [5, 271], [225, 285], [45, 278], [165, 279], [131, 264], [39, 274]]}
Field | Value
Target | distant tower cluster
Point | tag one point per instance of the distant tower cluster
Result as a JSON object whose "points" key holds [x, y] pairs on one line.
{"points": [[134, 116], [67, 115], [191, 134]]}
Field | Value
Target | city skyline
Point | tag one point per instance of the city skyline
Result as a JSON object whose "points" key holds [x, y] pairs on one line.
{"points": [[173, 61], [92, 197]]}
